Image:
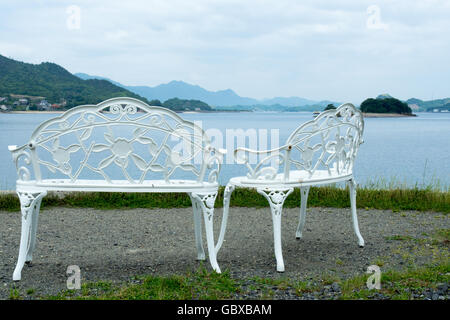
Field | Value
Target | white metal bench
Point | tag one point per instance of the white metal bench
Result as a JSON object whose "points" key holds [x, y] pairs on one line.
{"points": [[322, 151], [119, 145]]}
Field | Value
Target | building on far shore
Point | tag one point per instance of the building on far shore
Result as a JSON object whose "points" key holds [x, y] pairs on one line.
{"points": [[44, 105], [23, 102]]}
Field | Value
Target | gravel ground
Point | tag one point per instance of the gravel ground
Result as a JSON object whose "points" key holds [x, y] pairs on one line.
{"points": [[118, 244]]}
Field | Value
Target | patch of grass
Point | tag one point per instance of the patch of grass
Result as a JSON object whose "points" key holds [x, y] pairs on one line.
{"points": [[302, 287], [339, 262], [14, 294], [9, 202], [441, 236], [397, 285], [201, 285], [280, 284], [399, 237], [380, 261], [325, 196], [30, 291], [354, 288]]}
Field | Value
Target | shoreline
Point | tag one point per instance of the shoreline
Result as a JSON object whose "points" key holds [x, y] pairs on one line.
{"points": [[33, 112], [387, 115], [366, 115], [60, 112]]}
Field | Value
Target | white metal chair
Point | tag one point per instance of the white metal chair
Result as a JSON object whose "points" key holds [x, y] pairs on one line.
{"points": [[320, 151]]}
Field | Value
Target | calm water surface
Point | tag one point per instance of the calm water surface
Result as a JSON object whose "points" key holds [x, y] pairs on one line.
{"points": [[411, 150]]}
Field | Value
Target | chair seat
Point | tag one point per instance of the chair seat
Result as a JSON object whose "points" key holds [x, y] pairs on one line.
{"points": [[297, 178]]}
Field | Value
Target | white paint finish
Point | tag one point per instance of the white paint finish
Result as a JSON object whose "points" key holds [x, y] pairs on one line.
{"points": [[141, 120], [330, 159]]}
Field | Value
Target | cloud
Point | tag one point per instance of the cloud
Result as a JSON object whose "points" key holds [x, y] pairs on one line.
{"points": [[260, 48]]}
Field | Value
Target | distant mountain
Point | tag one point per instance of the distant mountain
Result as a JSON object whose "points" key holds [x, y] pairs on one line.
{"points": [[413, 101], [183, 90], [85, 76], [385, 96], [289, 101], [221, 98], [439, 104], [418, 105], [55, 83]]}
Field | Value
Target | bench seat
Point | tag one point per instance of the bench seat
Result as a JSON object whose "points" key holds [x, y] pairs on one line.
{"points": [[117, 186]]}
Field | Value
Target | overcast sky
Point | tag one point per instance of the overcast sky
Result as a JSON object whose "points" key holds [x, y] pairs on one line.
{"points": [[318, 49]]}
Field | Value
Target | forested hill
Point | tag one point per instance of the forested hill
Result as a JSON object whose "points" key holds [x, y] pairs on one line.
{"points": [[385, 104], [55, 83]]}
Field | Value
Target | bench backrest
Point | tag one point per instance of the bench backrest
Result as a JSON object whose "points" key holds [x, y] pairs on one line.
{"points": [[328, 142], [120, 138]]}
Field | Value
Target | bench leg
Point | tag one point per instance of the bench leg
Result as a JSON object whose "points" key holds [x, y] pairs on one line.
{"points": [[352, 187], [33, 231], [304, 196], [206, 202], [226, 206], [276, 199], [29, 206], [198, 228]]}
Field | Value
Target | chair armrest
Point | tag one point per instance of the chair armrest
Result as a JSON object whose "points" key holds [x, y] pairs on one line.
{"points": [[214, 160], [264, 168], [220, 150]]}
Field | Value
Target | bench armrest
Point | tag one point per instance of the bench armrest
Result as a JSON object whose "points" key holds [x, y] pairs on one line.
{"points": [[22, 160]]}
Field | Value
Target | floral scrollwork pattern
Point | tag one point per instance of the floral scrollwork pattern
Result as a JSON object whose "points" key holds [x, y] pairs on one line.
{"points": [[28, 201], [65, 145], [22, 154], [207, 203], [276, 198], [328, 142]]}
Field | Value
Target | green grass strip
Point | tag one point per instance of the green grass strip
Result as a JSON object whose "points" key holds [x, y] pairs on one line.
{"points": [[198, 285], [325, 196], [204, 285]]}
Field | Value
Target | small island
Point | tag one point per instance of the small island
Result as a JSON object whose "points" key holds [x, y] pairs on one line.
{"points": [[385, 106]]}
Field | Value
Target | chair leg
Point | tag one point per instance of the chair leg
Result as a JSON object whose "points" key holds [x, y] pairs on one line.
{"points": [[198, 228], [276, 199], [226, 206], [302, 218], [206, 202], [352, 187], [29, 206]]}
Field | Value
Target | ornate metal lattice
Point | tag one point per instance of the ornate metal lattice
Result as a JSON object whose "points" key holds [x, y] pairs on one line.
{"points": [[327, 143], [121, 138]]}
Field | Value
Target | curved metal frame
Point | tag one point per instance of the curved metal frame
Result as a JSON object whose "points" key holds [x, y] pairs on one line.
{"points": [[79, 122], [336, 157]]}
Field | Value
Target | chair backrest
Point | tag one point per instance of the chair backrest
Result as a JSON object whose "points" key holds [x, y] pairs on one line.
{"points": [[329, 142], [120, 138]]}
